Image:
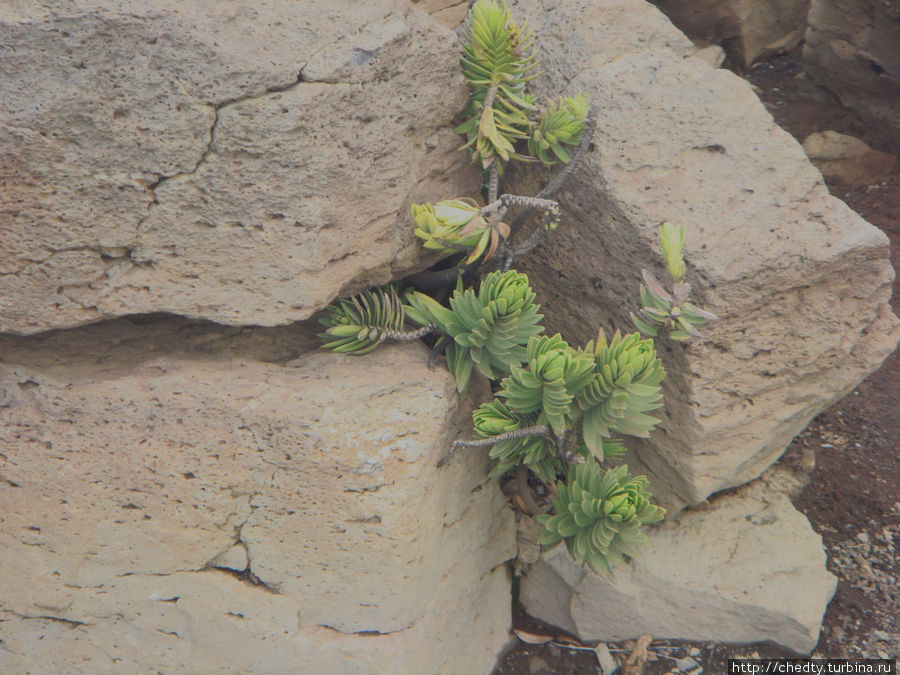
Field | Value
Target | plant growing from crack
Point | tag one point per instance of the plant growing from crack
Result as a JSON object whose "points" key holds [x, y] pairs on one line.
{"points": [[557, 409]]}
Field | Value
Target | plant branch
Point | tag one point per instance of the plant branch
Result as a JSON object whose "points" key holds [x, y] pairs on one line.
{"points": [[437, 350], [507, 200], [493, 182], [407, 336], [539, 430], [529, 244], [559, 179]]}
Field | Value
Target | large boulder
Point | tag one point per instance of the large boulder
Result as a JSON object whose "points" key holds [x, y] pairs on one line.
{"points": [[244, 165], [853, 48], [748, 568], [800, 281], [188, 497], [749, 30]]}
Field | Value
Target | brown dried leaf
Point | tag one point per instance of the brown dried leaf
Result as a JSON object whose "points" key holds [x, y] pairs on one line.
{"points": [[532, 638]]}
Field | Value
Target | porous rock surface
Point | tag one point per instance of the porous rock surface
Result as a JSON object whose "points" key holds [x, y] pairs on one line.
{"points": [[853, 48], [750, 30], [182, 497], [800, 281], [747, 568], [234, 163]]}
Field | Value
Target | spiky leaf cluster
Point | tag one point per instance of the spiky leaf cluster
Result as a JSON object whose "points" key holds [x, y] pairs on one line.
{"points": [[537, 452], [561, 124], [670, 312], [497, 60], [360, 324], [450, 225], [624, 386], [553, 376], [489, 328], [671, 244], [455, 225], [599, 516]]}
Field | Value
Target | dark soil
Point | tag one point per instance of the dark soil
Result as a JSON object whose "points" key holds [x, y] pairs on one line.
{"points": [[853, 497]]}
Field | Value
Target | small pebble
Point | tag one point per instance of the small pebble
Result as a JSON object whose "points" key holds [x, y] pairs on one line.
{"points": [[863, 537], [607, 663], [686, 664], [537, 665], [694, 651]]}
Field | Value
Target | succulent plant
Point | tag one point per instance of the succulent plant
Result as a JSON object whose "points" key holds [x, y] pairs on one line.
{"points": [[514, 444], [599, 516], [671, 243], [623, 387], [497, 60], [562, 123], [489, 328], [558, 408], [456, 225], [670, 312], [554, 374], [360, 324]]}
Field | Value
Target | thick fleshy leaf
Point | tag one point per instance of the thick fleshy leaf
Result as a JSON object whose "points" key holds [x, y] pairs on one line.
{"points": [[599, 515]]}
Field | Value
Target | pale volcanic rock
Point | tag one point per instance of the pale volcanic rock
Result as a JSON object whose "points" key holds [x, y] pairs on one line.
{"points": [[141, 459], [801, 283], [239, 164], [747, 568]]}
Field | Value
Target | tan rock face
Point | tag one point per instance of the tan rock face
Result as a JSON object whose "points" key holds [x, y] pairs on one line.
{"points": [[846, 159], [141, 463], [750, 30], [214, 162], [851, 49], [749, 568], [800, 282]]}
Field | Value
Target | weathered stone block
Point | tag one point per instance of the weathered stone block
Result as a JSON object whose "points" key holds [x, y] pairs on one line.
{"points": [[143, 464], [852, 49], [234, 164], [749, 30], [800, 281]]}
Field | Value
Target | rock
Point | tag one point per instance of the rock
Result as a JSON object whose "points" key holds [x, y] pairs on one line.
{"points": [[449, 13], [702, 577], [206, 500], [605, 660], [800, 281], [685, 664], [714, 55], [851, 49], [749, 30], [239, 164], [847, 160]]}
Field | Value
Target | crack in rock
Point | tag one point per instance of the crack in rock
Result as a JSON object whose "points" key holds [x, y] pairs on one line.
{"points": [[366, 633], [72, 623], [204, 155]]}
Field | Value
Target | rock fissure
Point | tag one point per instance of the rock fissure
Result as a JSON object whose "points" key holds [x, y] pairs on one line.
{"points": [[367, 633], [207, 150], [72, 623]]}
